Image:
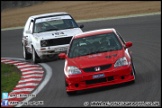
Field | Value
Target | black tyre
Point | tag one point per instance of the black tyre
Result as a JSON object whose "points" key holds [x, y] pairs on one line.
{"points": [[35, 57], [26, 55], [56, 57], [71, 93], [134, 73], [133, 68]]}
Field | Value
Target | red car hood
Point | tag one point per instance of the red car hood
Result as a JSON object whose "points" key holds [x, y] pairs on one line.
{"points": [[96, 59]]}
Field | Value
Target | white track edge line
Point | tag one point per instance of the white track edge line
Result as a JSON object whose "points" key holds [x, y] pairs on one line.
{"points": [[42, 85]]}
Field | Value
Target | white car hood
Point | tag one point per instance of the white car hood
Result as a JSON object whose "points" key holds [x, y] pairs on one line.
{"points": [[58, 34]]}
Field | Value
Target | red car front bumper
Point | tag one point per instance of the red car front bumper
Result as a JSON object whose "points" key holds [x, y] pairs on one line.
{"points": [[86, 80]]}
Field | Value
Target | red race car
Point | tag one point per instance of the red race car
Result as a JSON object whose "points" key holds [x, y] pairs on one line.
{"points": [[97, 58]]}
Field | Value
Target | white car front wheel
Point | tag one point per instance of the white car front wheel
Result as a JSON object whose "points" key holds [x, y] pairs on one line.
{"points": [[26, 55], [34, 56]]}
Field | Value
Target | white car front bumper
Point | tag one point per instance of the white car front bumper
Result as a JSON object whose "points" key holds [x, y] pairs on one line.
{"points": [[51, 50]]}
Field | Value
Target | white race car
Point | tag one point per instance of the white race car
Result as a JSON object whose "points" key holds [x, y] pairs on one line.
{"points": [[47, 35]]}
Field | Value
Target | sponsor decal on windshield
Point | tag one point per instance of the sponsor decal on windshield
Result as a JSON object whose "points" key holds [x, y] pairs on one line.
{"points": [[53, 18]]}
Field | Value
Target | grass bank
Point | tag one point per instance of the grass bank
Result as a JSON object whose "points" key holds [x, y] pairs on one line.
{"points": [[10, 76]]}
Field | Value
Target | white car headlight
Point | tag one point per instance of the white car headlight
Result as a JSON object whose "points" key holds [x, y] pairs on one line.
{"points": [[71, 70], [121, 62]]}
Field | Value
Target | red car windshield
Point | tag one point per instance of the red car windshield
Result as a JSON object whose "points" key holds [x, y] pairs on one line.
{"points": [[94, 44]]}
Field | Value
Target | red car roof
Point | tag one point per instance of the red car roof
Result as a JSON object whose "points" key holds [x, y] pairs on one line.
{"points": [[94, 32]]}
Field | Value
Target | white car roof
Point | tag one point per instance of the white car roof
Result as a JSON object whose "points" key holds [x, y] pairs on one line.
{"points": [[48, 14]]}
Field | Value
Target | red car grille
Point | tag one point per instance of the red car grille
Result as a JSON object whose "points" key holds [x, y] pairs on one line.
{"points": [[96, 81], [100, 80], [92, 69]]}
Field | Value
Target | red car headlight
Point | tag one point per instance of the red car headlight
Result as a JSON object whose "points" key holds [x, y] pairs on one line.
{"points": [[121, 62], [72, 70]]}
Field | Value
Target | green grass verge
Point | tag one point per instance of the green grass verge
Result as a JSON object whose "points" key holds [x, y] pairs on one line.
{"points": [[10, 76]]}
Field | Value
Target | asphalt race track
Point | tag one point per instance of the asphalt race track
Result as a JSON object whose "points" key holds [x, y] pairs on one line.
{"points": [[144, 32]]}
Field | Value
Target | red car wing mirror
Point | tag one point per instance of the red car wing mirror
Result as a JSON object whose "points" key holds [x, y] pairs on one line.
{"points": [[128, 44], [62, 55]]}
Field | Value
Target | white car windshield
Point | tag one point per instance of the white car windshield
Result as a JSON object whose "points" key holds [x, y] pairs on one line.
{"points": [[54, 23], [94, 44]]}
